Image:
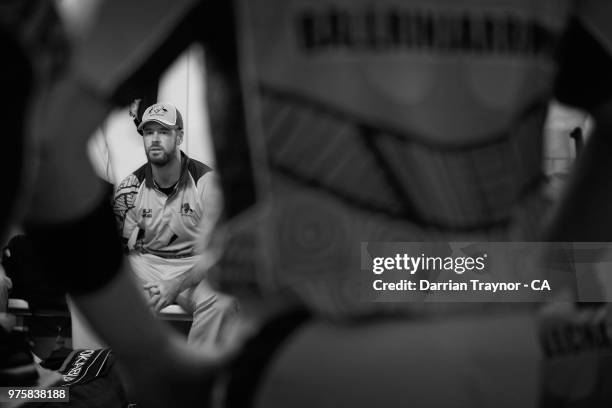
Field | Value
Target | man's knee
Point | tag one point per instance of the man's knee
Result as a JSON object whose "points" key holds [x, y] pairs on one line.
{"points": [[218, 305], [227, 304], [213, 319]]}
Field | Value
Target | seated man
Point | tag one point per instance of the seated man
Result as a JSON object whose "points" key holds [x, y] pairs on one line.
{"points": [[163, 208]]}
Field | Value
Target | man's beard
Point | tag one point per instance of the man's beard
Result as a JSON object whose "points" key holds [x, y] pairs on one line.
{"points": [[159, 160]]}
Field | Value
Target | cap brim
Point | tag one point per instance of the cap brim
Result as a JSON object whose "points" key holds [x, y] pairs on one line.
{"points": [[157, 121]]}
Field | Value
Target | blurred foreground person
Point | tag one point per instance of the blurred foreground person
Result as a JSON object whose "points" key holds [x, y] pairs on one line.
{"points": [[394, 121], [408, 121], [51, 186]]}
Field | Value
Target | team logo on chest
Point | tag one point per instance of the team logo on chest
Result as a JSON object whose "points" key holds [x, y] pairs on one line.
{"points": [[187, 210], [147, 213]]}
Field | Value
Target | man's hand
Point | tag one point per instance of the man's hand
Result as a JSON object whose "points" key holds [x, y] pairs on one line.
{"points": [[163, 293]]}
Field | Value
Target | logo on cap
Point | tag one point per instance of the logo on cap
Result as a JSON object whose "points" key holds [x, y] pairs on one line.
{"points": [[158, 111], [163, 113]]}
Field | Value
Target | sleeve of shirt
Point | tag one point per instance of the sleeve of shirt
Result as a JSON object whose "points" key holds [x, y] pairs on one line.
{"points": [[211, 199], [584, 78], [124, 207]]}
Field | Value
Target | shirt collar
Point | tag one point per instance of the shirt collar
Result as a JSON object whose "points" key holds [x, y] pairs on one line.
{"points": [[149, 182]]}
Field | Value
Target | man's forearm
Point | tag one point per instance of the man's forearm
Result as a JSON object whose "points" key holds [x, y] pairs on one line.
{"points": [[191, 278]]}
